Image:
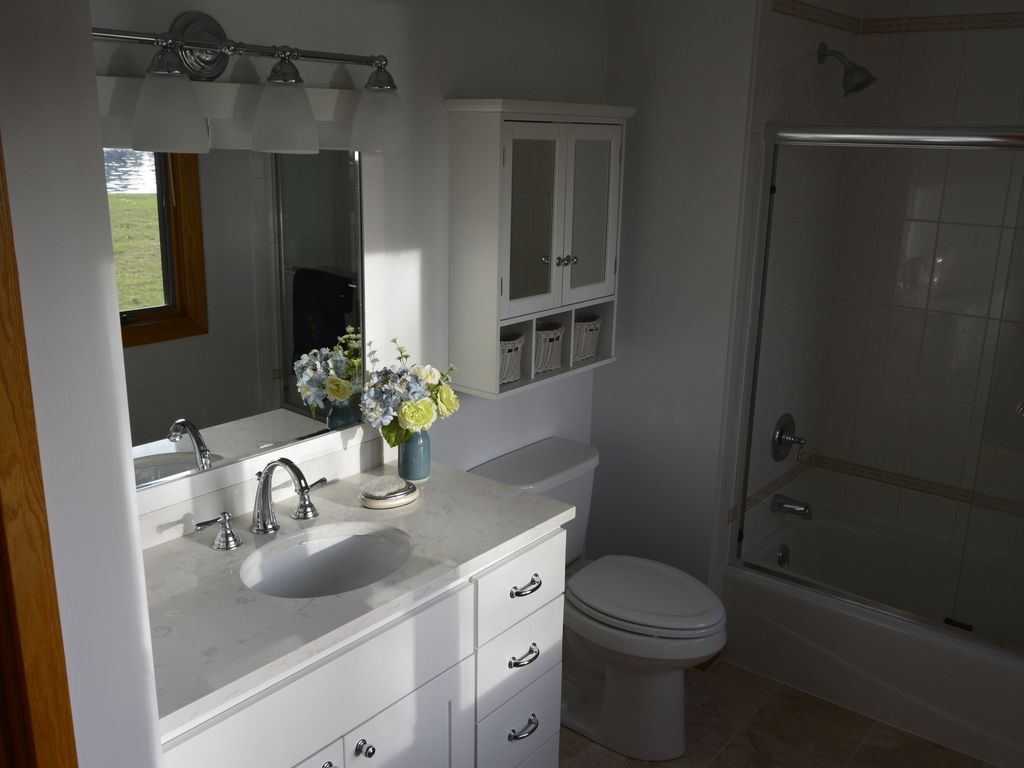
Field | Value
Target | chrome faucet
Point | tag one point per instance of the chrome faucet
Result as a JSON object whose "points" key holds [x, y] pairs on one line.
{"points": [[186, 427], [263, 518], [789, 506]]}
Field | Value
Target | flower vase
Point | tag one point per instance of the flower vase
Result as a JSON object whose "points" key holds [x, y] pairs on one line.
{"points": [[344, 414], [414, 457]]}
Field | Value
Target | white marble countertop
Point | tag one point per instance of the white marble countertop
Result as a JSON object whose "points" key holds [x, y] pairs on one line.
{"points": [[216, 642]]}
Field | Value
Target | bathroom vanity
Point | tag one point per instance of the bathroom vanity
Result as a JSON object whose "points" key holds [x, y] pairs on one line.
{"points": [[454, 659]]}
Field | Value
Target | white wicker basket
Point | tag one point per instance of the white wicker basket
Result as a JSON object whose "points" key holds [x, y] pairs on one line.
{"points": [[510, 352], [585, 333], [548, 347]]}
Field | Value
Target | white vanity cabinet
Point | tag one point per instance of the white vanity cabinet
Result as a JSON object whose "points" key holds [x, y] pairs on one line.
{"points": [[519, 657], [432, 727], [534, 234], [471, 677], [391, 688]]}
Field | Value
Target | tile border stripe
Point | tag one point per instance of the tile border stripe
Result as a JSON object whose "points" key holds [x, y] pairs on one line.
{"points": [[951, 492], [883, 25]]}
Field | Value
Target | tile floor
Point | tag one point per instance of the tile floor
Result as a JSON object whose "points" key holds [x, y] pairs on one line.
{"points": [[736, 719]]}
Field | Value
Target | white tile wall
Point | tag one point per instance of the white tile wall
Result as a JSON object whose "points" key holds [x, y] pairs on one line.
{"points": [[950, 356], [902, 270], [882, 427], [965, 265], [986, 95], [928, 77], [856, 250], [913, 183], [938, 439], [892, 346], [976, 187], [1001, 459]]}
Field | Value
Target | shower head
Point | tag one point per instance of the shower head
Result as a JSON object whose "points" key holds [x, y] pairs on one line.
{"points": [[855, 77]]}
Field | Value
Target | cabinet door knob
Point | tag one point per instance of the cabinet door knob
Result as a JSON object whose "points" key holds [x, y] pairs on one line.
{"points": [[526, 731], [365, 749], [546, 259], [328, 764], [573, 259], [526, 659], [527, 589]]}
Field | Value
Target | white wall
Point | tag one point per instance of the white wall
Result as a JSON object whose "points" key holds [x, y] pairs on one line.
{"points": [[51, 140], [449, 48], [658, 412]]}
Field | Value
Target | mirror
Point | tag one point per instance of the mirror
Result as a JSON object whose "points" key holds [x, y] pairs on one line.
{"points": [[283, 255]]}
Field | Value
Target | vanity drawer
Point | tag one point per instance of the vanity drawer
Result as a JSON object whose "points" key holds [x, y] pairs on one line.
{"points": [[517, 586], [536, 642], [534, 712], [545, 757]]}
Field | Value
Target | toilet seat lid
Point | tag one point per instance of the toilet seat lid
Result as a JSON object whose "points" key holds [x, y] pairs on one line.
{"points": [[646, 596]]}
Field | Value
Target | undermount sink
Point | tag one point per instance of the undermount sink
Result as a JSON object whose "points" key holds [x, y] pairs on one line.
{"points": [[157, 466], [327, 560]]}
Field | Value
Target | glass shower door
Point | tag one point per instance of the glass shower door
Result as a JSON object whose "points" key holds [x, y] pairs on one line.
{"points": [[892, 330]]}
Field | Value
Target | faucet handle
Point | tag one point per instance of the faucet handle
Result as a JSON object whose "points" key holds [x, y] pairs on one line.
{"points": [[226, 539], [305, 509]]}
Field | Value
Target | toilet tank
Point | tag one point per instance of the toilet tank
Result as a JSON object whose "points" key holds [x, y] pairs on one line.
{"points": [[556, 467]]}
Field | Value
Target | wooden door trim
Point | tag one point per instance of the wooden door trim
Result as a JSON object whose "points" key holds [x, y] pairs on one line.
{"points": [[36, 728]]}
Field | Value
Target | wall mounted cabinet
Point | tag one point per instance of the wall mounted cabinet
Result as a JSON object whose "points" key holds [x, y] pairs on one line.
{"points": [[534, 232]]}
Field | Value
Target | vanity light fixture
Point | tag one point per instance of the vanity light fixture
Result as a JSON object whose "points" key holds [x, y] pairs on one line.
{"points": [[203, 49], [167, 116], [284, 118]]}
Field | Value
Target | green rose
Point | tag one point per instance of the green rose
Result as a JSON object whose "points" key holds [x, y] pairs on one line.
{"points": [[447, 401], [417, 415], [338, 389]]}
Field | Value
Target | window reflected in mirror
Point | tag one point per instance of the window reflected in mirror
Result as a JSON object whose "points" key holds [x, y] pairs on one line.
{"points": [[157, 232]]}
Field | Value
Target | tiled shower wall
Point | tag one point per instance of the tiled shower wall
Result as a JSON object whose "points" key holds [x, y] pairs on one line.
{"points": [[952, 77]]}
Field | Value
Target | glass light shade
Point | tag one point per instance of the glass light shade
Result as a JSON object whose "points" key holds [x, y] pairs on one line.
{"points": [[381, 124], [168, 117], [284, 121]]}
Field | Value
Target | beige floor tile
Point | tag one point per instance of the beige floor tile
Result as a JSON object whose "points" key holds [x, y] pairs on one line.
{"points": [[886, 747], [719, 702], [570, 744]]}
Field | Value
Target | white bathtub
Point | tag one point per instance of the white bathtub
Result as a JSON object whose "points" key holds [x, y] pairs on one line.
{"points": [[945, 687], [886, 565]]}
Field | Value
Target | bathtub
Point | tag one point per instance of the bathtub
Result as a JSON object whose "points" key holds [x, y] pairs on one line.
{"points": [[912, 673], [883, 564]]}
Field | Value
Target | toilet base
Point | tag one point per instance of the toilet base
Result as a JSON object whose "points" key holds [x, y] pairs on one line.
{"points": [[635, 712]]}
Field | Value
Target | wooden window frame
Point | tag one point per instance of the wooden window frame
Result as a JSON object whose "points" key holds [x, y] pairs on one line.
{"points": [[186, 315]]}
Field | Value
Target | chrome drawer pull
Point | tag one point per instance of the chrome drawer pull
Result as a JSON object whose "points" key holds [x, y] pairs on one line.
{"points": [[526, 659], [365, 749], [529, 589], [531, 725]]}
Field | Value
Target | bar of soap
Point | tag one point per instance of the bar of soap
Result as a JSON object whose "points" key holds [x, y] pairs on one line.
{"points": [[387, 493]]}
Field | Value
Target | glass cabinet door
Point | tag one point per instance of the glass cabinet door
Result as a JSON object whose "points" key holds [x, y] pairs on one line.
{"points": [[592, 211], [534, 182]]}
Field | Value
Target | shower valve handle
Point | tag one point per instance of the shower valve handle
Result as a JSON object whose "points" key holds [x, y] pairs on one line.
{"points": [[784, 437]]}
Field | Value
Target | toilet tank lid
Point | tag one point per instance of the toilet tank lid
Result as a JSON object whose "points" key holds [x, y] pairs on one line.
{"points": [[541, 466]]}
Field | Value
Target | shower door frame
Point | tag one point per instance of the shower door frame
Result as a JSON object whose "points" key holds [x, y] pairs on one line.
{"points": [[776, 136]]}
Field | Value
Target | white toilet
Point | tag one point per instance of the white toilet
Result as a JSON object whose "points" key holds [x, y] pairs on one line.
{"points": [[632, 625]]}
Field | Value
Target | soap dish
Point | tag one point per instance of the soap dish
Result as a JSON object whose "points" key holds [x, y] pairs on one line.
{"points": [[387, 493]]}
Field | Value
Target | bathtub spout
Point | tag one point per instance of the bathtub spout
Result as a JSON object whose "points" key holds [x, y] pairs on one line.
{"points": [[788, 506]]}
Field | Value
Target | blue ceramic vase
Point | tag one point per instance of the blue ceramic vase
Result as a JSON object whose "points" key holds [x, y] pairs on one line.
{"points": [[414, 457], [344, 414]]}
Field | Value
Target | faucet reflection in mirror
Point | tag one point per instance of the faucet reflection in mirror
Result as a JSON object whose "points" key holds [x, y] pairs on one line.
{"points": [[332, 378], [197, 48]]}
